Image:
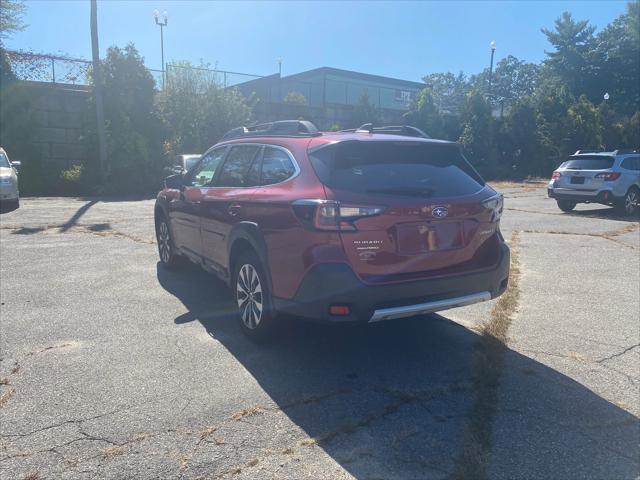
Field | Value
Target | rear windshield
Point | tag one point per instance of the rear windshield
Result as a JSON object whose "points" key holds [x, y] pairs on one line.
{"points": [[396, 168], [595, 162]]}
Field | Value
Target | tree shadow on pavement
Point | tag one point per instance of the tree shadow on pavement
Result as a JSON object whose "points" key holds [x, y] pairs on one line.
{"points": [[390, 400], [76, 216]]}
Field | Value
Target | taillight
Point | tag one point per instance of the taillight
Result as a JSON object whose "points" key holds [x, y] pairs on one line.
{"points": [[496, 205], [555, 175], [330, 215], [608, 176]]}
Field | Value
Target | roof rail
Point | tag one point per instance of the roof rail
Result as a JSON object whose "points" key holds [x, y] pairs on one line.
{"points": [[622, 151], [406, 130], [282, 128], [580, 152]]}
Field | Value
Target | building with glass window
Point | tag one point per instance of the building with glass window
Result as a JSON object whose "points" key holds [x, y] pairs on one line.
{"points": [[327, 96]]}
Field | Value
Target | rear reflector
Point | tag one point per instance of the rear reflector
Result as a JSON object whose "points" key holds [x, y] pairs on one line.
{"points": [[339, 310]]}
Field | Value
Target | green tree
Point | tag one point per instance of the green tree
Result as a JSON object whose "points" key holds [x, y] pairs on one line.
{"points": [[613, 127], [584, 128], [552, 100], [364, 112], [197, 111], [134, 131], [511, 80], [477, 133], [449, 90], [617, 57], [571, 59], [424, 114], [295, 98], [11, 12], [518, 141]]}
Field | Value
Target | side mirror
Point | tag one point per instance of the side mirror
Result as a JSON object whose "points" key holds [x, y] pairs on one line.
{"points": [[174, 182], [16, 164]]}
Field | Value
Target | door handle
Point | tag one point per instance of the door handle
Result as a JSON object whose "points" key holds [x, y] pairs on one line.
{"points": [[234, 209]]}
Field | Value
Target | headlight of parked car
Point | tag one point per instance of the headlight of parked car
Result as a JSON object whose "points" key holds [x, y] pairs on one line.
{"points": [[5, 181]]}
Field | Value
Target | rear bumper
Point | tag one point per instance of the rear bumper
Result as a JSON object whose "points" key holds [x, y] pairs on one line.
{"points": [[9, 192], [336, 284], [578, 196]]}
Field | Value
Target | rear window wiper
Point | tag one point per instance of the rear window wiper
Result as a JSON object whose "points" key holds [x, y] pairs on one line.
{"points": [[411, 191]]}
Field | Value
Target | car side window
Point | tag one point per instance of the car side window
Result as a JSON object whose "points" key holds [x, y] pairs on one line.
{"points": [[235, 168], [203, 173], [253, 175], [631, 163], [276, 166]]}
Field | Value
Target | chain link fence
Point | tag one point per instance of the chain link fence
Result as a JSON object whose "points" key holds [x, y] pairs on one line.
{"points": [[38, 67], [221, 78]]}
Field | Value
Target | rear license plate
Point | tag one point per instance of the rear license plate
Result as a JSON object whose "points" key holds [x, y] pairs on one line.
{"points": [[577, 180], [418, 238]]}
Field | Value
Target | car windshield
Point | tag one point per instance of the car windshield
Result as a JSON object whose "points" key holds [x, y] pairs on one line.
{"points": [[4, 161], [397, 168], [595, 162]]}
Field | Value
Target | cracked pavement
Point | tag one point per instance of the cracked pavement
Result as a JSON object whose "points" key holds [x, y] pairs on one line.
{"points": [[112, 367]]}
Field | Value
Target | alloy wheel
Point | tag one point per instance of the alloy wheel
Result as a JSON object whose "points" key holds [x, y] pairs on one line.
{"points": [[164, 243], [631, 202], [249, 296]]}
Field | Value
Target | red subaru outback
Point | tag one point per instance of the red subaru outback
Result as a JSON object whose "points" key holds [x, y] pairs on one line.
{"points": [[361, 226]]}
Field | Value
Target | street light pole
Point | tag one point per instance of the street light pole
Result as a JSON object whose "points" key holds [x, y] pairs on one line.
{"points": [[161, 21], [493, 51]]}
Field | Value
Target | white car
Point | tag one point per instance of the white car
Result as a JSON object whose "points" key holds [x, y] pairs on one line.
{"points": [[609, 178], [9, 194]]}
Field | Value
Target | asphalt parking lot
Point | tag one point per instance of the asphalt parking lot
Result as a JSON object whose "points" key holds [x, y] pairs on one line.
{"points": [[112, 367]]}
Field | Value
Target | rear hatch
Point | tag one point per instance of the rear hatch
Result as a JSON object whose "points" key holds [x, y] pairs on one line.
{"points": [[585, 172], [409, 209]]}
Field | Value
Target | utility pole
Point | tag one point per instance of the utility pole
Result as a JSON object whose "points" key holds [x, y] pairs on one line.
{"points": [[97, 89], [161, 22]]}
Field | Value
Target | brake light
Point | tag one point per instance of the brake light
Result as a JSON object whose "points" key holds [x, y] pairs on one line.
{"points": [[608, 176], [496, 205], [330, 215], [555, 175], [339, 310]]}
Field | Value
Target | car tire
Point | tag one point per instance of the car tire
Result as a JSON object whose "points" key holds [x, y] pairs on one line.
{"points": [[566, 205], [630, 204], [252, 297], [9, 205], [166, 249]]}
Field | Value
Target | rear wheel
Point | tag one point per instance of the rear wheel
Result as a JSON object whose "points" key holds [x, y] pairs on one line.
{"points": [[166, 249], [566, 205], [630, 204], [253, 297]]}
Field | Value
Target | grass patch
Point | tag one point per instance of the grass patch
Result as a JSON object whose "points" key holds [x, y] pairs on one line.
{"points": [[111, 452], [205, 433], [246, 412], [4, 398], [487, 366]]}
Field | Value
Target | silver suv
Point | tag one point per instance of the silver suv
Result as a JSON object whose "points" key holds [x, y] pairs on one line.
{"points": [[609, 178]]}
